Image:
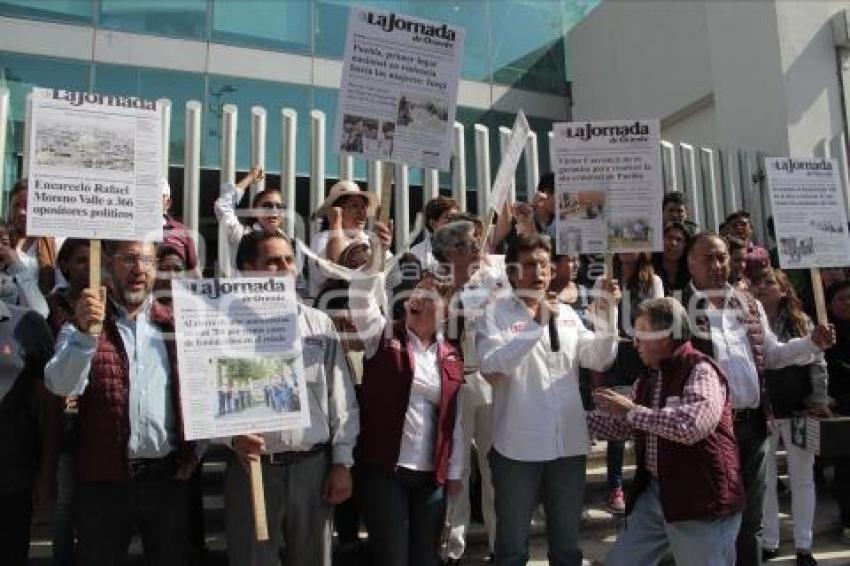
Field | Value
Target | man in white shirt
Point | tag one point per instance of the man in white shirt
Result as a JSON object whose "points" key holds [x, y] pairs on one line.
{"points": [[731, 327], [530, 350], [306, 471]]}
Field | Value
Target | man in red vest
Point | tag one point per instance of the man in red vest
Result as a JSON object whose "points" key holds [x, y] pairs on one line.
{"points": [[132, 461], [688, 492]]}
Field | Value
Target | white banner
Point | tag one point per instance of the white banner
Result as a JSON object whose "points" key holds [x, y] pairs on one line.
{"points": [[808, 212], [239, 350], [398, 93], [510, 160], [95, 166], [608, 186]]}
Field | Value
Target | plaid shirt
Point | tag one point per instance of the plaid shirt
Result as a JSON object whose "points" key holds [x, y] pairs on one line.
{"points": [[686, 419]]}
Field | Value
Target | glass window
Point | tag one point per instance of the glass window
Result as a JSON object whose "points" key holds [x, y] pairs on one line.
{"points": [[272, 96], [266, 24], [55, 10], [473, 16], [532, 55], [331, 23], [178, 87], [170, 18], [20, 73]]}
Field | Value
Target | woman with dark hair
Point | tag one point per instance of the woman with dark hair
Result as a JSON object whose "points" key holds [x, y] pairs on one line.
{"points": [[639, 282], [437, 212], [37, 254], [266, 211], [409, 451], [671, 265], [18, 285], [838, 362], [792, 389]]}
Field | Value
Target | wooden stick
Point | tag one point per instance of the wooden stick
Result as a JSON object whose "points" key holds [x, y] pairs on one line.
{"points": [[94, 278], [609, 265], [386, 201], [820, 300], [258, 498]]}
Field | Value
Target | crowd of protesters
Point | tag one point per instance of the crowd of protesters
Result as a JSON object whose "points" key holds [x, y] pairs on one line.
{"points": [[476, 341]]}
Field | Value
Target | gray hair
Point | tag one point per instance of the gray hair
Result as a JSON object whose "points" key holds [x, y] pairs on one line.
{"points": [[448, 235], [666, 314]]}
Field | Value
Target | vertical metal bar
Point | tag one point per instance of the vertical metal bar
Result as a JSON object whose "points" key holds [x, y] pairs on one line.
{"points": [[762, 212], [668, 166], [710, 178], [459, 166], [258, 145], [730, 180], [192, 166], [532, 166], [690, 179], [482, 169], [229, 125], [165, 114], [431, 180], [25, 165], [4, 121], [346, 167], [401, 200], [373, 176], [504, 138], [749, 179], [288, 129], [317, 164]]}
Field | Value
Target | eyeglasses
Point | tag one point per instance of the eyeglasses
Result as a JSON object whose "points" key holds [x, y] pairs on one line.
{"points": [[135, 259], [272, 206]]}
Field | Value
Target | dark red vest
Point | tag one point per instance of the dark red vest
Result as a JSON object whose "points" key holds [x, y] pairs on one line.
{"points": [[387, 378], [700, 481], [104, 421]]}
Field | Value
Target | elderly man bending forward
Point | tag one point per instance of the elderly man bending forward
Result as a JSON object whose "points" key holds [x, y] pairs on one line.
{"points": [[688, 493]]}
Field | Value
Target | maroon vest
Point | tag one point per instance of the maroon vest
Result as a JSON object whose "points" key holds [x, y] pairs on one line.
{"points": [[387, 378], [104, 421], [700, 481]]}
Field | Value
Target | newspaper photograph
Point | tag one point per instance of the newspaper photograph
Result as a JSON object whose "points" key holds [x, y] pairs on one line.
{"points": [[240, 359], [809, 215], [398, 93], [94, 166], [608, 186]]}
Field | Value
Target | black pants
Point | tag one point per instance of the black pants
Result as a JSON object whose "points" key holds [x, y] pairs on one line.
{"points": [[107, 514], [842, 488], [752, 446], [15, 526]]}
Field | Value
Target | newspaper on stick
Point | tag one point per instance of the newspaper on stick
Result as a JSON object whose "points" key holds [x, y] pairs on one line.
{"points": [[608, 186], [398, 92], [95, 166], [808, 212], [239, 350]]}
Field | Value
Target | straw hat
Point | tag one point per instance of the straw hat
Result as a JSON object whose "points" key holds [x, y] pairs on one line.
{"points": [[344, 189]]}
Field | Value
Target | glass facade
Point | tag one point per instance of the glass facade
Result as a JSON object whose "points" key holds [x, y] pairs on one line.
{"points": [[509, 42]]}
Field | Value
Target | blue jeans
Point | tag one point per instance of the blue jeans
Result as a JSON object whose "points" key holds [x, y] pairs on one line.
{"points": [[403, 512], [519, 486], [647, 537]]}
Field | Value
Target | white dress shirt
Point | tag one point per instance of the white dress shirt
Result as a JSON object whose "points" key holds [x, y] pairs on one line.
{"points": [[419, 432], [537, 409], [425, 255], [734, 355]]}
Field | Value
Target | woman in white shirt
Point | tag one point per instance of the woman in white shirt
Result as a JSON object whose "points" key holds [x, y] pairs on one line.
{"points": [[408, 453], [437, 212], [266, 210]]}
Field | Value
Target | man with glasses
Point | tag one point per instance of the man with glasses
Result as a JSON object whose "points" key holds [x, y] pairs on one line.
{"points": [[688, 493], [132, 460], [531, 347]]}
